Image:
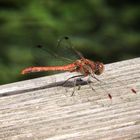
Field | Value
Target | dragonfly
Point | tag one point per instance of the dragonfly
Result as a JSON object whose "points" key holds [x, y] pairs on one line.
{"points": [[82, 65]]}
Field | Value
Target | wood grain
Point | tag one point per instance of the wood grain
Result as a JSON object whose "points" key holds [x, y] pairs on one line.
{"points": [[43, 109]]}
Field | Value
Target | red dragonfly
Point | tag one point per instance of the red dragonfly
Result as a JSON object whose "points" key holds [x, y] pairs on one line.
{"points": [[83, 66]]}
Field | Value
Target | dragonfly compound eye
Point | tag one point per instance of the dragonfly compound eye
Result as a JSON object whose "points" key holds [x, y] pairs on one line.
{"points": [[99, 68]]}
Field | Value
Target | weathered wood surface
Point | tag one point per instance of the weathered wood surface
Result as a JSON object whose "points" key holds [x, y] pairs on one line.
{"points": [[41, 109]]}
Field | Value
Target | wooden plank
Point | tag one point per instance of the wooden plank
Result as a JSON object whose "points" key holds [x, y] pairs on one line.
{"points": [[42, 109]]}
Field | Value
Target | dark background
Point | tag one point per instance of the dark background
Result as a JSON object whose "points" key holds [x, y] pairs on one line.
{"points": [[105, 30]]}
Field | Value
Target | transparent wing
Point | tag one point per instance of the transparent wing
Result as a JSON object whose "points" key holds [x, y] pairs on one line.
{"points": [[61, 54], [65, 44]]}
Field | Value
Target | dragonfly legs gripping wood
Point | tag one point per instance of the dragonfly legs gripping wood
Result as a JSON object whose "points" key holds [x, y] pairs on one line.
{"points": [[78, 82]]}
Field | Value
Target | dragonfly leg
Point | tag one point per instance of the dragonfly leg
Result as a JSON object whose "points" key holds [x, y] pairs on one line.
{"points": [[75, 82], [71, 78], [74, 85], [93, 76], [103, 83], [89, 83]]}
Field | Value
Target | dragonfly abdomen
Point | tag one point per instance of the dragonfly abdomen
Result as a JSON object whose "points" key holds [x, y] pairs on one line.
{"points": [[70, 67]]}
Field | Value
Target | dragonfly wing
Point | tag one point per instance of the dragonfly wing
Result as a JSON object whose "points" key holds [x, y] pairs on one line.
{"points": [[61, 54], [66, 45]]}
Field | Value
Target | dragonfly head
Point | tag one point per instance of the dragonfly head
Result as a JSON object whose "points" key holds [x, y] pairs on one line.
{"points": [[99, 68]]}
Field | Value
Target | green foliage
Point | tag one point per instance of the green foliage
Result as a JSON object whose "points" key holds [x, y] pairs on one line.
{"points": [[102, 30]]}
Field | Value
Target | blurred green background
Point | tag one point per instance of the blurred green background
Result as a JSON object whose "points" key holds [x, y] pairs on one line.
{"points": [[105, 30]]}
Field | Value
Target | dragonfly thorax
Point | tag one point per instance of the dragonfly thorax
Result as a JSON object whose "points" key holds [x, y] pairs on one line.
{"points": [[87, 67]]}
